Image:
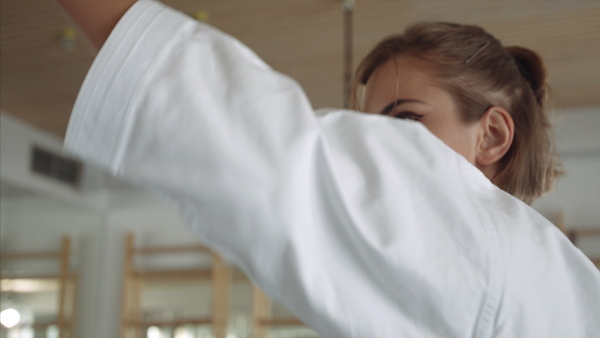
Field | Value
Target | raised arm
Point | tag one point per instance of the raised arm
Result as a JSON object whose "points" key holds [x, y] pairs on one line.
{"points": [[96, 18]]}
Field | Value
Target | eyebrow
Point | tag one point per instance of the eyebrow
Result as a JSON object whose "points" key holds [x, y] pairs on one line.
{"points": [[388, 109]]}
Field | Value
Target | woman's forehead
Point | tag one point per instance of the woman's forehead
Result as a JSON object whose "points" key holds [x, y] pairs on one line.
{"points": [[401, 71]]}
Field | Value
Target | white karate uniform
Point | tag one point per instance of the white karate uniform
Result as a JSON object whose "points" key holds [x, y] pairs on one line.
{"points": [[362, 225]]}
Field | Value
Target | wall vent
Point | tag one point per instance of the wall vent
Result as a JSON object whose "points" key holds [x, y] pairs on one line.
{"points": [[55, 166]]}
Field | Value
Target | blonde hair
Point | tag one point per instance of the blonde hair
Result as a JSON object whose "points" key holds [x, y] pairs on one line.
{"points": [[478, 72]]}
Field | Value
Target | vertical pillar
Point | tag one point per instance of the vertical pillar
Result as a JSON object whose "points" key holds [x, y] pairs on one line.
{"points": [[261, 312], [63, 280], [348, 10], [126, 314], [135, 317], [221, 283]]}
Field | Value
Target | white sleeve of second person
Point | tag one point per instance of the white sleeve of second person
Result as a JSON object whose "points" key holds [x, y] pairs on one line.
{"points": [[349, 220]]}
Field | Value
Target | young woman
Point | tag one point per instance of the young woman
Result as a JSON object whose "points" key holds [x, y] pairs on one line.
{"points": [[363, 225], [485, 101]]}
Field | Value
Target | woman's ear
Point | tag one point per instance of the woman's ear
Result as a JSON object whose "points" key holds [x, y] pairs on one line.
{"points": [[497, 129]]}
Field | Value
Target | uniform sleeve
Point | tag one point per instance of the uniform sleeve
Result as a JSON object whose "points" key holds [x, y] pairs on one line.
{"points": [[350, 220]]}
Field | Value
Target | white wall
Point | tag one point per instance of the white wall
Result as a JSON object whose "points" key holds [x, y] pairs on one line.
{"points": [[16, 140], [37, 212]]}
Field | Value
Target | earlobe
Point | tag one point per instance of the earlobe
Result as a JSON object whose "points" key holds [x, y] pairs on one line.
{"points": [[496, 138]]}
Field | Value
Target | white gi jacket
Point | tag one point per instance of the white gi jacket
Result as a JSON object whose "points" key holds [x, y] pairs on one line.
{"points": [[362, 225]]}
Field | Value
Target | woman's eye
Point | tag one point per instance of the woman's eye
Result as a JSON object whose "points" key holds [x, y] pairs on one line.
{"points": [[408, 116]]}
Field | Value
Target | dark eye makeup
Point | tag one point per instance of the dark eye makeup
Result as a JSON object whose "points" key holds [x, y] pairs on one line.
{"points": [[406, 115], [390, 107]]}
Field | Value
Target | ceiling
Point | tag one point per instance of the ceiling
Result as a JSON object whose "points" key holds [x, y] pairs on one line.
{"points": [[39, 79]]}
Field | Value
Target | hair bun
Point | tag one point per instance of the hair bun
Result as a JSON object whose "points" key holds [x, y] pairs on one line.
{"points": [[532, 68]]}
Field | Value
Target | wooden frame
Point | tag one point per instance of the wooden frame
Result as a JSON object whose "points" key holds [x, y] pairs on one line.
{"points": [[262, 316], [574, 234], [578, 233], [133, 326], [67, 282]]}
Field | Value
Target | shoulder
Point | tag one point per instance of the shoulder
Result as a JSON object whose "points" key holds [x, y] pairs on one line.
{"points": [[546, 279]]}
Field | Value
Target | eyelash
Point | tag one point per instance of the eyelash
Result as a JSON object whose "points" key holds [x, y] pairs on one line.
{"points": [[408, 116]]}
